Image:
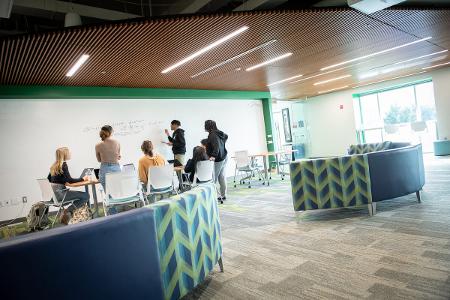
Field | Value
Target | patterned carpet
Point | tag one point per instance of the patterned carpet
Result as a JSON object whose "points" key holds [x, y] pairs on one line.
{"points": [[270, 252]]}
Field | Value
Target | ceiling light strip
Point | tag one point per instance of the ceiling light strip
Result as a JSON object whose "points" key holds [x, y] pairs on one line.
{"points": [[205, 49], [375, 54], [435, 66], [284, 80], [77, 65], [393, 78], [269, 61], [335, 89], [234, 58], [314, 76], [332, 79], [419, 57]]}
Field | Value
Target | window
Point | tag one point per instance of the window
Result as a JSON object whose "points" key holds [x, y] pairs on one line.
{"points": [[403, 114]]}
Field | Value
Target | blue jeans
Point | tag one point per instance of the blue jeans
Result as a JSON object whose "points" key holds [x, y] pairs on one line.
{"points": [[107, 168], [82, 198]]}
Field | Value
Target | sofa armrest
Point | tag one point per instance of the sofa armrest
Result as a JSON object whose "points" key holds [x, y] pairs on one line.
{"points": [[396, 172]]}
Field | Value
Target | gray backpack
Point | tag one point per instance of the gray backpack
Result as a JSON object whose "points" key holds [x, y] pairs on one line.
{"points": [[37, 218]]}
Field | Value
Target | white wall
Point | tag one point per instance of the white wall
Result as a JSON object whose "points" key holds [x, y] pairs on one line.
{"points": [[31, 130], [332, 129]]}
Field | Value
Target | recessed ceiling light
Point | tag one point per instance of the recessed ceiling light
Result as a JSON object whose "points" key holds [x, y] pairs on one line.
{"points": [[234, 58], [332, 79], [268, 61], [205, 49], [335, 89], [374, 54], [430, 67], [77, 65]]}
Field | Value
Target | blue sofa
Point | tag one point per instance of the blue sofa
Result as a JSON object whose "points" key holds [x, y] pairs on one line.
{"points": [[161, 251], [371, 173]]}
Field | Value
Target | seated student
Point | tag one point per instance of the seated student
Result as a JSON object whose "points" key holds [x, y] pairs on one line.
{"points": [[199, 154], [203, 143], [150, 159], [59, 173]]}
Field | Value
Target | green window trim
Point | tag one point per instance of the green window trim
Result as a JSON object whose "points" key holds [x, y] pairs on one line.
{"points": [[394, 87]]}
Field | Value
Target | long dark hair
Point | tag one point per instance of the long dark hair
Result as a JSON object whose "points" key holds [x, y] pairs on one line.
{"points": [[210, 125], [147, 148], [199, 154]]}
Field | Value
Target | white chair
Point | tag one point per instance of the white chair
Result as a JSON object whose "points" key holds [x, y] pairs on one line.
{"points": [[284, 161], [49, 197], [122, 188], [204, 172], [160, 180], [244, 164]]}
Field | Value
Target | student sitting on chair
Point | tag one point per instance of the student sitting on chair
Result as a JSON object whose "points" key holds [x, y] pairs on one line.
{"points": [[150, 159], [59, 173], [199, 154]]}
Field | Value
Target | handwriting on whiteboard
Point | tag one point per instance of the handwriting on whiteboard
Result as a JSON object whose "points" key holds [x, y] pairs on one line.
{"points": [[124, 128]]}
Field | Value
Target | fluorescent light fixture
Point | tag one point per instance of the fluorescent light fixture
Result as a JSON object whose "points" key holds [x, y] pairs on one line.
{"points": [[379, 81], [287, 79], [234, 58], [205, 49], [77, 65], [335, 89], [332, 79], [435, 66], [268, 61], [419, 57], [375, 54]]}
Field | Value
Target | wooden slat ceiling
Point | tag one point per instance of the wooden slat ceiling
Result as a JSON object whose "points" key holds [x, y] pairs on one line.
{"points": [[133, 54]]}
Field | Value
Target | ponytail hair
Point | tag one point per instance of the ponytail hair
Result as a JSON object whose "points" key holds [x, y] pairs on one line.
{"points": [[105, 132], [147, 148]]}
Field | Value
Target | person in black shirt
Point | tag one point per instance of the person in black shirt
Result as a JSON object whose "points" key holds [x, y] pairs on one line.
{"points": [[177, 141], [59, 174], [217, 152]]}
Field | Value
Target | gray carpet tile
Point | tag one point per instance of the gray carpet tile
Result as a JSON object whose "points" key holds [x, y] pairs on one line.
{"points": [[272, 252]]}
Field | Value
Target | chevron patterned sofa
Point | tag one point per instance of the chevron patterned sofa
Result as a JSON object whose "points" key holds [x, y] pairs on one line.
{"points": [[161, 251], [360, 179]]}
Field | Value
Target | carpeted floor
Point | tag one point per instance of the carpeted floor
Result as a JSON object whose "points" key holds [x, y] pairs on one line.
{"points": [[270, 252]]}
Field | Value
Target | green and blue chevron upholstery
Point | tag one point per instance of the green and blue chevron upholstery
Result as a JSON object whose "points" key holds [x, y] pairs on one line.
{"points": [[189, 239], [367, 148], [330, 183]]}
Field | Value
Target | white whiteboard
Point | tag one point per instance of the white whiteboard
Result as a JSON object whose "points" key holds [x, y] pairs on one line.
{"points": [[31, 130]]}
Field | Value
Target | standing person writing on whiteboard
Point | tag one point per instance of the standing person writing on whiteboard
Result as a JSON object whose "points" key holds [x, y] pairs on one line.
{"points": [[108, 153], [177, 141], [215, 148]]}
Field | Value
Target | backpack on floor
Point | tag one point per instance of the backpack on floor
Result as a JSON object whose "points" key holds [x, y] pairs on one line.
{"points": [[81, 214], [37, 218]]}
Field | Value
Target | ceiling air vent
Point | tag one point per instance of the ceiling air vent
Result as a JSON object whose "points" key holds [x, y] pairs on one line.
{"points": [[371, 6]]}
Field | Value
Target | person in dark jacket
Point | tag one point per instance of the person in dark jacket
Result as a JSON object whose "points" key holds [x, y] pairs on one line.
{"points": [[199, 154], [59, 174], [177, 141], [217, 152]]}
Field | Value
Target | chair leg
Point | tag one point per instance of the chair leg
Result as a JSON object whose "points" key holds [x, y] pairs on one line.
{"points": [[369, 206], [220, 264], [56, 216], [418, 197], [374, 208]]}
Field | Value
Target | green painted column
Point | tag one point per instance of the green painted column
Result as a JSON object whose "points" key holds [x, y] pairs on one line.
{"points": [[268, 123]]}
